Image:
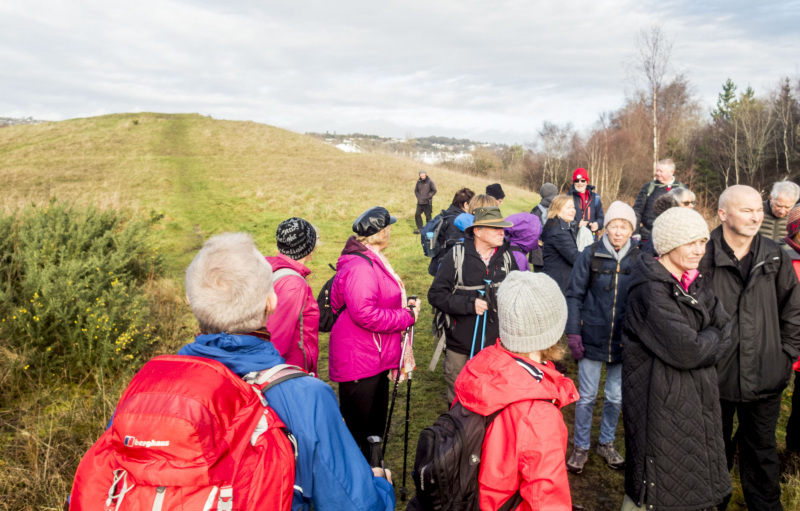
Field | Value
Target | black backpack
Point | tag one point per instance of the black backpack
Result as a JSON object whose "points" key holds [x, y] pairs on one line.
{"points": [[328, 316], [448, 459]]}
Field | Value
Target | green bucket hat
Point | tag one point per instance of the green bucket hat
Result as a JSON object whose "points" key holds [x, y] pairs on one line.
{"points": [[488, 216]]}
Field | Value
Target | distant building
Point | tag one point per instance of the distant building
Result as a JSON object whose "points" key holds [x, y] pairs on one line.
{"points": [[349, 147]]}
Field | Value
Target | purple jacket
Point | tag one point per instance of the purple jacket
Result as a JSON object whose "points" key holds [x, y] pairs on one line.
{"points": [[367, 337], [525, 235]]}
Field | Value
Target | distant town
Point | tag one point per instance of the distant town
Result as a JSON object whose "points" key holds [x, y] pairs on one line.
{"points": [[429, 150]]}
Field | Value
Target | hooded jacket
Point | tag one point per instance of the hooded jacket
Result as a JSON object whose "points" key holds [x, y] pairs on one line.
{"points": [[593, 212], [674, 448], [449, 235], [366, 338], [331, 473], [766, 318], [598, 313], [540, 211], [459, 304], [524, 236], [559, 250], [295, 295], [526, 444], [645, 200]]}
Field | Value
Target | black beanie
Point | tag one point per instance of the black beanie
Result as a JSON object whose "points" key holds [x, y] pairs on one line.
{"points": [[296, 238], [496, 191]]}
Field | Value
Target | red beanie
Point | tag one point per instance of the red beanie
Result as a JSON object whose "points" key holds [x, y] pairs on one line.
{"points": [[580, 173]]}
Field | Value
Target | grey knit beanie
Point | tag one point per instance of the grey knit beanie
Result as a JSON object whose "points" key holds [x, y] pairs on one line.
{"points": [[532, 312], [677, 226]]}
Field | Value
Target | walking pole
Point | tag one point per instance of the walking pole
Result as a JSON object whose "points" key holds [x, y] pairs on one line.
{"points": [[403, 490], [396, 385], [488, 306], [394, 397], [475, 333]]}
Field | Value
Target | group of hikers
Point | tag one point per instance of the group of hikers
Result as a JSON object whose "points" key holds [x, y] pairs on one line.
{"points": [[697, 331]]}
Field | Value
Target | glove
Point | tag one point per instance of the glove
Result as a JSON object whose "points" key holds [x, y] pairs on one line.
{"points": [[575, 344]]}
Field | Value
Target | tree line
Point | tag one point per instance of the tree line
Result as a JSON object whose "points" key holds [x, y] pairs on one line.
{"points": [[750, 137]]}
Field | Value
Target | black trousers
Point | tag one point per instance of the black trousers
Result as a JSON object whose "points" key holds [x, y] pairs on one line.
{"points": [[364, 404], [793, 426], [423, 208], [758, 452]]}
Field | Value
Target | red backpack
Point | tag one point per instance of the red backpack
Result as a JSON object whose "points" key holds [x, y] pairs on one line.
{"points": [[189, 434]]}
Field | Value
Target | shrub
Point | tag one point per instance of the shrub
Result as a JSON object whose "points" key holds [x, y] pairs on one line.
{"points": [[72, 289]]}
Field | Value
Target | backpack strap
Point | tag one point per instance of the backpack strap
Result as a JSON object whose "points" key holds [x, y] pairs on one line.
{"points": [[285, 272], [278, 374]]}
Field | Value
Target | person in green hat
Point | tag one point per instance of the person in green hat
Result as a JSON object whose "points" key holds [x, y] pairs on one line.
{"points": [[465, 287]]}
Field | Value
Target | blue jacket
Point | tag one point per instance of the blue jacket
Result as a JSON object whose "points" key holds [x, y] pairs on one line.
{"points": [[598, 313], [331, 471], [594, 209], [559, 251]]}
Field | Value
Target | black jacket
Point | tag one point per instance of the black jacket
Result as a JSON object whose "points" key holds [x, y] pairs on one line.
{"points": [[674, 448], [559, 250], [597, 313], [593, 212], [535, 255], [460, 304], [424, 190], [766, 318], [643, 206]]}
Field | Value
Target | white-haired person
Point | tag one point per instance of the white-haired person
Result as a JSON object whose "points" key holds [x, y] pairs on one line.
{"points": [[675, 332], [523, 458], [645, 200], [781, 200], [230, 291]]}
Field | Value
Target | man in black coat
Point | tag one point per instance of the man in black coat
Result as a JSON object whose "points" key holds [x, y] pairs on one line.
{"points": [[652, 190], [456, 290], [754, 279], [424, 190]]}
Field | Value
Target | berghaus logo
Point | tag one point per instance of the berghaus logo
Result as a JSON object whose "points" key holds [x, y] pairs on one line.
{"points": [[132, 441]]}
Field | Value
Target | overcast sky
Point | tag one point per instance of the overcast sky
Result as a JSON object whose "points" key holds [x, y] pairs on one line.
{"points": [[490, 71]]}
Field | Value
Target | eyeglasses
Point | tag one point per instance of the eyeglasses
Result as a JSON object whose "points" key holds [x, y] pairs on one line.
{"points": [[687, 203], [579, 181]]}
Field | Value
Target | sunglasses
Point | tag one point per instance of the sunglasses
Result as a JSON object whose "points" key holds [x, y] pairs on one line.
{"points": [[687, 202], [579, 181]]}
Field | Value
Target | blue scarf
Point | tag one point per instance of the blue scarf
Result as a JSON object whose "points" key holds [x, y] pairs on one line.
{"points": [[242, 354]]}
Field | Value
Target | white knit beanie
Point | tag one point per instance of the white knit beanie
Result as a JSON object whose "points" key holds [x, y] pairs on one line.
{"points": [[532, 312], [677, 226], [619, 209]]}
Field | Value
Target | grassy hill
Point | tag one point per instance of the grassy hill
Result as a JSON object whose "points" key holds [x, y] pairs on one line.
{"points": [[202, 177]]}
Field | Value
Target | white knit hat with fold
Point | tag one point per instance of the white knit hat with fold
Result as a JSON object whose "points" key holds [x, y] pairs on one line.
{"points": [[677, 226], [532, 312]]}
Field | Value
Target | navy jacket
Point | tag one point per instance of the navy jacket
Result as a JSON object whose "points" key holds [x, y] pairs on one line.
{"points": [[594, 208], [559, 250], [597, 313]]}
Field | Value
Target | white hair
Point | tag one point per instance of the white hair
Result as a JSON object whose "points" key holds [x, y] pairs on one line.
{"points": [[228, 284], [666, 164], [785, 188], [680, 193]]}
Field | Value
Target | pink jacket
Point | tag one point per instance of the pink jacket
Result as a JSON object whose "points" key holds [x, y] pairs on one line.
{"points": [[367, 337], [294, 295]]}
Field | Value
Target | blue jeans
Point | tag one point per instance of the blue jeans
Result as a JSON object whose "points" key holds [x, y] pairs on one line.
{"points": [[588, 382]]}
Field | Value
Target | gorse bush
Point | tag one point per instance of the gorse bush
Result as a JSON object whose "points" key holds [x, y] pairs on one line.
{"points": [[72, 289]]}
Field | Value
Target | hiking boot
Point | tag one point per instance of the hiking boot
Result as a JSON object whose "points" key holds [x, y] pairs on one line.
{"points": [[577, 460], [612, 457], [416, 231]]}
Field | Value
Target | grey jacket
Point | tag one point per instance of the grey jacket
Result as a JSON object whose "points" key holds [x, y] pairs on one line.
{"points": [[425, 190]]}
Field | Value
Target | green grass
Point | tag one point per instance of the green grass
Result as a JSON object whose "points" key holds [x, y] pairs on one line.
{"points": [[210, 176]]}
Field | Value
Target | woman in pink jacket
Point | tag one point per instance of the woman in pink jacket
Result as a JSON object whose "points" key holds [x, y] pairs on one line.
{"points": [[366, 340], [294, 328]]}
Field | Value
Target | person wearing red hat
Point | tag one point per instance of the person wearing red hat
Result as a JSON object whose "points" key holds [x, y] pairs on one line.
{"points": [[588, 207]]}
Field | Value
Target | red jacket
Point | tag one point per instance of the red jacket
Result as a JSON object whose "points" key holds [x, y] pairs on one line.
{"points": [[526, 445], [283, 325]]}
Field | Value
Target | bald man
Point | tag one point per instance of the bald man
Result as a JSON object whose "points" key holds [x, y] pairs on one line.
{"points": [[753, 278]]}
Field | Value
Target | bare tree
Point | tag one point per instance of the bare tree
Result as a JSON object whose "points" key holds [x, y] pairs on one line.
{"points": [[555, 143], [653, 52]]}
